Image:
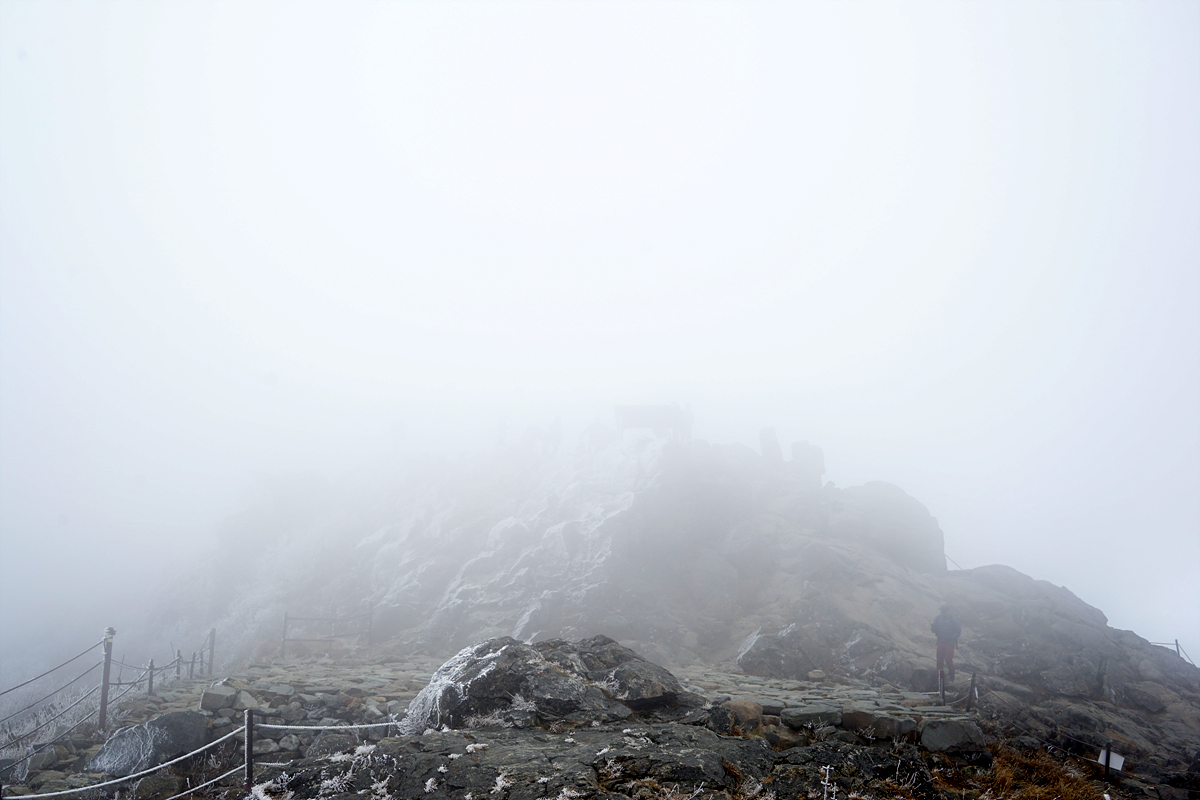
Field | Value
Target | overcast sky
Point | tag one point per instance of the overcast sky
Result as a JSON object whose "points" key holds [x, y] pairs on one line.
{"points": [[955, 244]]}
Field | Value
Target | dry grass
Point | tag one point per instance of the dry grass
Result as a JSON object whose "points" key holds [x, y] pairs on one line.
{"points": [[1035, 776]]}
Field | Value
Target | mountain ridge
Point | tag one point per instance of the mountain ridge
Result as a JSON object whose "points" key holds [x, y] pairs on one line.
{"points": [[690, 552]]}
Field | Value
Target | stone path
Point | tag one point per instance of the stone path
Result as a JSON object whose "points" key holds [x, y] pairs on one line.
{"points": [[776, 694], [388, 687]]}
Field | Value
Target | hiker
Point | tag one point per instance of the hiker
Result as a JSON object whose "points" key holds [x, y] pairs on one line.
{"points": [[947, 629]]}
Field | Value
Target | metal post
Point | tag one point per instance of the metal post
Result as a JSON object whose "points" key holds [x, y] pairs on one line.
{"points": [[150, 688], [249, 749], [1177, 647], [109, 633], [971, 692], [212, 644], [1107, 757]]}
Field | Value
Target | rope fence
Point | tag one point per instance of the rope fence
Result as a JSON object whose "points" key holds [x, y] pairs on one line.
{"points": [[1179, 651], [52, 669], [360, 626], [146, 772], [47, 697], [246, 767], [42, 713]]}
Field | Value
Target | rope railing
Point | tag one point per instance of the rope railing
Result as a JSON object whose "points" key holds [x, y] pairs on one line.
{"points": [[327, 727], [59, 738], [56, 691], [1179, 651], [57, 716], [36, 717], [53, 669], [204, 785], [145, 772], [247, 767]]}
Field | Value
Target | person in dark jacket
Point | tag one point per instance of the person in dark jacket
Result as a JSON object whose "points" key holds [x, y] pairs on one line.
{"points": [[947, 629]]}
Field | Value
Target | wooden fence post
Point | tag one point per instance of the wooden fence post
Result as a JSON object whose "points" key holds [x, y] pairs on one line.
{"points": [[150, 687], [192, 666], [109, 633], [178, 663], [942, 685], [249, 749], [212, 644]]}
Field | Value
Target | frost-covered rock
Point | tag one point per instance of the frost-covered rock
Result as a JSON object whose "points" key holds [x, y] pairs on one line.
{"points": [[503, 682], [140, 747]]}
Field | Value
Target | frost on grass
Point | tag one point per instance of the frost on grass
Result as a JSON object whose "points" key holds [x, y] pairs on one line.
{"points": [[336, 784], [362, 751], [271, 790]]}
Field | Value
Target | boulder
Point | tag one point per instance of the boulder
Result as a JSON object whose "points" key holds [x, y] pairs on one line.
{"points": [[951, 736], [218, 697], [508, 683], [140, 747], [811, 716]]}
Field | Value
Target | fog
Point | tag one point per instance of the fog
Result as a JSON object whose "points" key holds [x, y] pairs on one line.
{"points": [[955, 245]]}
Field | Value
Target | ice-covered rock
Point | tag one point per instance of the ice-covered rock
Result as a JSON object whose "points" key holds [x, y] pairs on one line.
{"points": [[504, 682], [140, 747]]}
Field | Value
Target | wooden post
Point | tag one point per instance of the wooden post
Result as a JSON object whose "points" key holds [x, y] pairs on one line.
{"points": [[249, 749], [942, 685], [1107, 757], [971, 692], [212, 644], [178, 663], [283, 647], [150, 688], [1177, 649], [192, 666], [109, 633]]}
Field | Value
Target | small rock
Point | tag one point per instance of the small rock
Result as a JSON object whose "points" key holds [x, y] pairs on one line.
{"points": [[814, 714], [217, 697]]}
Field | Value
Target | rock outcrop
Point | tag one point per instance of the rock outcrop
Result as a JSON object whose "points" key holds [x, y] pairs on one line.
{"points": [[139, 747], [693, 553], [505, 682]]}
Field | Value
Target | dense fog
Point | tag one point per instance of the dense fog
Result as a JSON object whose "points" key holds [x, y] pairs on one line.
{"points": [[272, 255]]}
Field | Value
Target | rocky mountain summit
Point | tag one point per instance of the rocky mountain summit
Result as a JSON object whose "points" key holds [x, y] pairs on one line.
{"points": [[558, 719], [694, 554]]}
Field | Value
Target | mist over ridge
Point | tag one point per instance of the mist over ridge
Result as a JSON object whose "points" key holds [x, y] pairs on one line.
{"points": [[254, 261]]}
